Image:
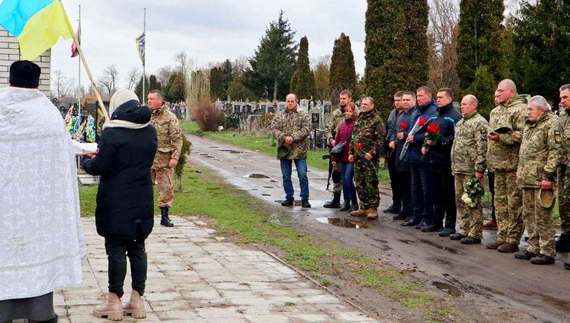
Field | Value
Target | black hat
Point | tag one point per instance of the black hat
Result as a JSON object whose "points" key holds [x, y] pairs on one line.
{"points": [[25, 74]]}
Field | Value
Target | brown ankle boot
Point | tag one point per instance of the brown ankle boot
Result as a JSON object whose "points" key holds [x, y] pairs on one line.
{"points": [[135, 307], [359, 212], [111, 309], [372, 213]]}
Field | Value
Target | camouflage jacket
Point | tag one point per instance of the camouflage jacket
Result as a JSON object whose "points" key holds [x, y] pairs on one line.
{"points": [[564, 120], [296, 124], [503, 155], [469, 150], [370, 132], [540, 151], [168, 131], [336, 118]]}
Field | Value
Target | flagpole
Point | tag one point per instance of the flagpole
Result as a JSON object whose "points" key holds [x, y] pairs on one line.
{"points": [[79, 72], [82, 58], [143, 63]]}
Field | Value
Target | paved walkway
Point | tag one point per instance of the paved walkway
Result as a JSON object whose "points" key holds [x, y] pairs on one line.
{"points": [[194, 276]]}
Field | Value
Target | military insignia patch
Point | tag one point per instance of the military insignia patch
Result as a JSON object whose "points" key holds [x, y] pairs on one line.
{"points": [[557, 136], [484, 135]]}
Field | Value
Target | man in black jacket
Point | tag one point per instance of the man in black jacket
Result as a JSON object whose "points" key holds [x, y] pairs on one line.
{"points": [[391, 156], [439, 152]]}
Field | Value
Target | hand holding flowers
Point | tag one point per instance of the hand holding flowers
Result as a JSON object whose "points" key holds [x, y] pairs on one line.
{"points": [[474, 192]]}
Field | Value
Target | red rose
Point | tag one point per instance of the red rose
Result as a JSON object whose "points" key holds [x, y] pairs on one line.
{"points": [[403, 125], [358, 146], [422, 121], [433, 128]]}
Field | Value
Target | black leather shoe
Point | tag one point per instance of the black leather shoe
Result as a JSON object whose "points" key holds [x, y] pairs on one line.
{"points": [[392, 209], [470, 240], [53, 320], [287, 203], [345, 206], [430, 228], [410, 223], [456, 236], [567, 265], [305, 204], [399, 216], [446, 232]]}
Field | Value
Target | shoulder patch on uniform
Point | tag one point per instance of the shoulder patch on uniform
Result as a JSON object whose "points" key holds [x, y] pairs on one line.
{"points": [[557, 136]]}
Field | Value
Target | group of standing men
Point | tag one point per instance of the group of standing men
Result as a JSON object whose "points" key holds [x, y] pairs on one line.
{"points": [[525, 145]]}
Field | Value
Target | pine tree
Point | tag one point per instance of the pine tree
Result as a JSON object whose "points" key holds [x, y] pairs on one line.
{"points": [[322, 86], [177, 87], [542, 48], [238, 91], [483, 88], [479, 39], [396, 49], [227, 77], [273, 62], [342, 70], [139, 88], [153, 83], [216, 83], [302, 81]]}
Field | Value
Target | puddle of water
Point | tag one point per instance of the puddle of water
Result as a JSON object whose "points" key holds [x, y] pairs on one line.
{"points": [[206, 156], [232, 151], [344, 223], [295, 202], [257, 175], [448, 288]]}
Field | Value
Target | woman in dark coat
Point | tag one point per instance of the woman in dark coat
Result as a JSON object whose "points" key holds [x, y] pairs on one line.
{"points": [[344, 134], [125, 212]]}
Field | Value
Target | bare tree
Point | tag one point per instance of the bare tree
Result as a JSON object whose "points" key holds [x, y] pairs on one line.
{"points": [[61, 85], [133, 76], [109, 80], [164, 73], [442, 40]]}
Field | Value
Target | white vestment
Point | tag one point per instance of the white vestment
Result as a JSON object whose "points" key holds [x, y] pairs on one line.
{"points": [[41, 240]]}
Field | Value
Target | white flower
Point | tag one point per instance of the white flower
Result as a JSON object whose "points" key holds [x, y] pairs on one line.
{"points": [[472, 204], [468, 201], [464, 196]]}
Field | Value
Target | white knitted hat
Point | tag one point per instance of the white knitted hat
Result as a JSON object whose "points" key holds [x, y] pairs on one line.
{"points": [[119, 98]]}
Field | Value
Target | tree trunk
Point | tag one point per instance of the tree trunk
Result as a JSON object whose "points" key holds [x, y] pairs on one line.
{"points": [[275, 90]]}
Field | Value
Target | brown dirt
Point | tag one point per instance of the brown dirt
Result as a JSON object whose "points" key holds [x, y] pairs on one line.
{"points": [[496, 287]]}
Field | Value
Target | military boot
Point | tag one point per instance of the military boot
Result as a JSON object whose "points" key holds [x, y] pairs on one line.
{"points": [[165, 220], [360, 212], [334, 203], [563, 243], [542, 260], [372, 213]]}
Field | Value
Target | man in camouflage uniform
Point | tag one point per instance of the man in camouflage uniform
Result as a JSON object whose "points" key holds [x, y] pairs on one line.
{"points": [[503, 143], [539, 157], [467, 160], [167, 154], [291, 129], [336, 118], [563, 244], [368, 138]]}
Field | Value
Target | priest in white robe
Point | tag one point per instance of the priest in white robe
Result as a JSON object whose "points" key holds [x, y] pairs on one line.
{"points": [[41, 240]]}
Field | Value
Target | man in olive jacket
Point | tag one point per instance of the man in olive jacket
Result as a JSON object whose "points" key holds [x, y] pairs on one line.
{"points": [[503, 142], [539, 158], [291, 129]]}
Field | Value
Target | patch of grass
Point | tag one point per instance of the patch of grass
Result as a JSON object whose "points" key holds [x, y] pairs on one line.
{"points": [[87, 195]]}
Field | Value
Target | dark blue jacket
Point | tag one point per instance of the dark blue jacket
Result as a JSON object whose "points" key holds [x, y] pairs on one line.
{"points": [[402, 165], [414, 153], [446, 118]]}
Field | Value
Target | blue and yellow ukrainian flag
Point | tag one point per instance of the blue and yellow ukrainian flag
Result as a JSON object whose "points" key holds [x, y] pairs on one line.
{"points": [[37, 24]]}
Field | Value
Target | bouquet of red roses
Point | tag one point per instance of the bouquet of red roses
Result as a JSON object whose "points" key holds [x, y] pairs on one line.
{"points": [[433, 133]]}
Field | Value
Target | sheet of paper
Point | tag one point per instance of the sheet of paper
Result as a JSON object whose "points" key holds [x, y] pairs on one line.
{"points": [[78, 147]]}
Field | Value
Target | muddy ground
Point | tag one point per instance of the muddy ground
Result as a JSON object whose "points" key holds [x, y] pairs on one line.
{"points": [[494, 287]]}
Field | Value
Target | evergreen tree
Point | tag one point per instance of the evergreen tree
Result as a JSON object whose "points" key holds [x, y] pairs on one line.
{"points": [[177, 87], [342, 70], [238, 91], [542, 48], [483, 88], [153, 83], [227, 77], [479, 39], [139, 88], [216, 83], [322, 86], [273, 62], [302, 82], [396, 49]]}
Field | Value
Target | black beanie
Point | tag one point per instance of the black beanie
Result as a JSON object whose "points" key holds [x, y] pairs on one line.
{"points": [[25, 74]]}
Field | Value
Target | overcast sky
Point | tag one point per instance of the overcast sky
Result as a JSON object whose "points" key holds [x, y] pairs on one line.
{"points": [[208, 31]]}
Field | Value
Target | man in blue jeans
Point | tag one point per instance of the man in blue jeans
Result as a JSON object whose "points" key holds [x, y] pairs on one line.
{"points": [[291, 129]]}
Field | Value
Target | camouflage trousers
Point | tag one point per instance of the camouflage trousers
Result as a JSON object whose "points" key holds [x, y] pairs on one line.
{"points": [[508, 207], [164, 175], [337, 179], [471, 218], [366, 183], [564, 197], [539, 223]]}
